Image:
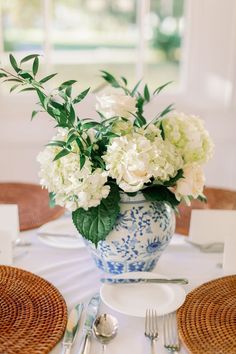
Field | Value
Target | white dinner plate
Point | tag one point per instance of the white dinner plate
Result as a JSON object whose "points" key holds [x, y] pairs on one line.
{"points": [[60, 227], [134, 299]]}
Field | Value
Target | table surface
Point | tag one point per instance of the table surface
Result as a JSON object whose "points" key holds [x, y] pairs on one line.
{"points": [[74, 273]]}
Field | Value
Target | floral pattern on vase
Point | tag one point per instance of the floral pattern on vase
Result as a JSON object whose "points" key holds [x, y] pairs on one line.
{"points": [[142, 231]]}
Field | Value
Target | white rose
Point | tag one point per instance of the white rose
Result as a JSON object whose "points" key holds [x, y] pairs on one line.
{"points": [[191, 185], [116, 104]]}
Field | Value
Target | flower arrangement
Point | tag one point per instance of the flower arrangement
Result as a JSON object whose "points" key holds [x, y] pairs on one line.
{"points": [[89, 162]]}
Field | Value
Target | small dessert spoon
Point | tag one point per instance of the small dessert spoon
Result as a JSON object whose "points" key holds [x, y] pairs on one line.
{"points": [[105, 328]]}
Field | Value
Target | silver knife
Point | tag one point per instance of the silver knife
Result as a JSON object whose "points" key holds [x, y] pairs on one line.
{"points": [[143, 280], [91, 314], [71, 328]]}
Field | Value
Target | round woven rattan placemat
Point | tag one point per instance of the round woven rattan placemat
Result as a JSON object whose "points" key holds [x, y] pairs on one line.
{"points": [[33, 204], [207, 319], [33, 313]]}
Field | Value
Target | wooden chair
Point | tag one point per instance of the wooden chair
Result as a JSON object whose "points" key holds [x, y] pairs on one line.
{"points": [[33, 204], [216, 199]]}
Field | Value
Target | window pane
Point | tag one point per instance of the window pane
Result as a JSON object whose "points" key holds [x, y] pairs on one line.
{"points": [[22, 25], [100, 34], [164, 37]]}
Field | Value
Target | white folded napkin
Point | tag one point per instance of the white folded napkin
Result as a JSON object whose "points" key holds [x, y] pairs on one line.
{"points": [[9, 220], [209, 226]]}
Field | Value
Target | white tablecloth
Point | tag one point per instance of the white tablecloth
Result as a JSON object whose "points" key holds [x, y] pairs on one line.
{"points": [[75, 275]]}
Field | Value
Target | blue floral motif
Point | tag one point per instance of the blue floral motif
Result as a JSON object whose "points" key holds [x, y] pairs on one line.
{"points": [[136, 267], [160, 214], [136, 220], [115, 267], [127, 247], [124, 221], [142, 232], [153, 245]]}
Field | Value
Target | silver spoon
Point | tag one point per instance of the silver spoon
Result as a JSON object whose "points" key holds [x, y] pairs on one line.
{"points": [[105, 328]]}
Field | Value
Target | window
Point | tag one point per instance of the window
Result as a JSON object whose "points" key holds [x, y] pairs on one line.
{"points": [[134, 38]]}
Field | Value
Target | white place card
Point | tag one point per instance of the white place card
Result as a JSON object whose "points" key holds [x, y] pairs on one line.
{"points": [[5, 247], [229, 259], [9, 219], [211, 225]]}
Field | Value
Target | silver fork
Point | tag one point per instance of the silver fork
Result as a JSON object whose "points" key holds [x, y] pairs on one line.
{"points": [[170, 333], [151, 328]]}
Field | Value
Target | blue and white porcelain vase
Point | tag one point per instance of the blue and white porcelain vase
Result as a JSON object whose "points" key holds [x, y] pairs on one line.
{"points": [[142, 232]]}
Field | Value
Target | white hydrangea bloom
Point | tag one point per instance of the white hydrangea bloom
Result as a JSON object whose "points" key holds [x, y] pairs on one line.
{"points": [[165, 160], [116, 104], [188, 134], [74, 188], [127, 161], [192, 183], [133, 159]]}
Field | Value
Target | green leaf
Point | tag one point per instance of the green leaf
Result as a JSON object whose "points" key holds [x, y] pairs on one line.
{"points": [[111, 135], [3, 75], [13, 80], [89, 125], [71, 138], [47, 78], [71, 132], [52, 199], [202, 198], [81, 96], [35, 66], [57, 143], [96, 223], [68, 91], [146, 93], [25, 75], [160, 88], [72, 115], [167, 110], [160, 193], [56, 104], [80, 144], [110, 79], [34, 114], [66, 84], [28, 89], [172, 181], [139, 121], [29, 57], [140, 103], [124, 80], [41, 96], [135, 88], [82, 160], [14, 87], [101, 115], [100, 161], [89, 150], [162, 131], [14, 63], [62, 153]]}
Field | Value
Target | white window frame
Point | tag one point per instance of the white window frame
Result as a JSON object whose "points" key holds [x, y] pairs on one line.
{"points": [[192, 75], [142, 10]]}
